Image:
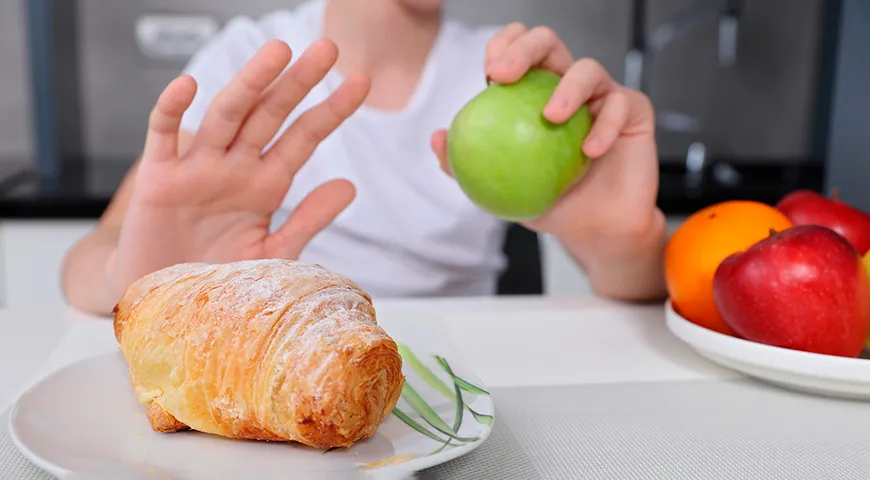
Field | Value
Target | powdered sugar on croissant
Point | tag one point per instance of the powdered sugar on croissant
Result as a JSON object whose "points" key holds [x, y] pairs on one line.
{"points": [[263, 349]]}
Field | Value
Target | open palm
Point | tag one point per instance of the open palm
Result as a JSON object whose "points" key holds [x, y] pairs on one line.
{"points": [[212, 199]]}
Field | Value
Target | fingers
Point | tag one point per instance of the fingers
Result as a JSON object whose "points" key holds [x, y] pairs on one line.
{"points": [[583, 82], [312, 127], [439, 146], [608, 125], [161, 142], [285, 94], [498, 44], [314, 213], [232, 105], [540, 47]]}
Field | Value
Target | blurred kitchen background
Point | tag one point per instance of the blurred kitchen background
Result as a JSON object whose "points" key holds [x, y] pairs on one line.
{"points": [[755, 98]]}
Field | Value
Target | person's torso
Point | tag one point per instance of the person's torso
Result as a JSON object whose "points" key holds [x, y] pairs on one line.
{"points": [[410, 231]]}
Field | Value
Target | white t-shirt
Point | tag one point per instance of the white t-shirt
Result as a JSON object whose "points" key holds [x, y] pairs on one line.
{"points": [[410, 231]]}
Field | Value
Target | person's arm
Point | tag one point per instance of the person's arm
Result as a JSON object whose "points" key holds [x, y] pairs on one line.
{"points": [[84, 273], [625, 267]]}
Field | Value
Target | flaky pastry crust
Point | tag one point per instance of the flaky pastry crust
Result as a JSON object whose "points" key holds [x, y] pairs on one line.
{"points": [[262, 350]]}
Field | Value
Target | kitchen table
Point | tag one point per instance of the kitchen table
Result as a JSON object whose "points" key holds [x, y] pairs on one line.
{"points": [[583, 388]]}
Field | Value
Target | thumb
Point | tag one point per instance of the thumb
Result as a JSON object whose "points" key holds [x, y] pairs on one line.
{"points": [[314, 213], [439, 146]]}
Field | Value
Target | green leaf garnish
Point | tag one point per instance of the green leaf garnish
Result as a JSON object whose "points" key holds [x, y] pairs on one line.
{"points": [[416, 426], [427, 413]]}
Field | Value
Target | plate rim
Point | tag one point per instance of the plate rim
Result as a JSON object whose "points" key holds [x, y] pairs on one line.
{"points": [[807, 364], [38, 461], [414, 464]]}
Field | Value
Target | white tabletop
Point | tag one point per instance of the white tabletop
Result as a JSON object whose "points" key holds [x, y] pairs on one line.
{"points": [[618, 395], [508, 341]]}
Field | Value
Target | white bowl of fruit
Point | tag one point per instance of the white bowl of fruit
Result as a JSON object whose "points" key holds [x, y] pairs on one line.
{"points": [[790, 307]]}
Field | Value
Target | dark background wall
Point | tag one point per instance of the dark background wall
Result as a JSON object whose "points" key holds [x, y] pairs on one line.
{"points": [[849, 154], [15, 116], [760, 108]]}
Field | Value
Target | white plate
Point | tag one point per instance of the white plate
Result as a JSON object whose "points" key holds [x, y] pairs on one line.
{"points": [[807, 372], [84, 422]]}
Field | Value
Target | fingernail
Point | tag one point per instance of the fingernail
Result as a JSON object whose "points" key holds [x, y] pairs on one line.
{"points": [[500, 63], [559, 102], [592, 143], [553, 112]]}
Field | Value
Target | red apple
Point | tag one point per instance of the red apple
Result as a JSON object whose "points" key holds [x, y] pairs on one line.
{"points": [[805, 207], [804, 288]]}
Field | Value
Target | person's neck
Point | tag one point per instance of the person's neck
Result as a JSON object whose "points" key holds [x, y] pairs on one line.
{"points": [[374, 34], [385, 41]]}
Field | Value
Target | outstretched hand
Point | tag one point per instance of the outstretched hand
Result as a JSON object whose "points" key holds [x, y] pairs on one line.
{"points": [[213, 200]]}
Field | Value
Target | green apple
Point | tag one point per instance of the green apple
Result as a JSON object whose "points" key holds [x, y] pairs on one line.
{"points": [[510, 160]]}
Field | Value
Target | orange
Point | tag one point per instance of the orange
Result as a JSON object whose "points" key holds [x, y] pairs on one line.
{"points": [[699, 245]]}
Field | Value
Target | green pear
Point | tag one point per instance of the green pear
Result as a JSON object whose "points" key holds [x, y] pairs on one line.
{"points": [[507, 157]]}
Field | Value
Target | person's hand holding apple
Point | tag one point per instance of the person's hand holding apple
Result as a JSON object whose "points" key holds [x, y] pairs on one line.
{"points": [[521, 150]]}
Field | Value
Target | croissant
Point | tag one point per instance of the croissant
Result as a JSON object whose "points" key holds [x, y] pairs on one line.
{"points": [[269, 350]]}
